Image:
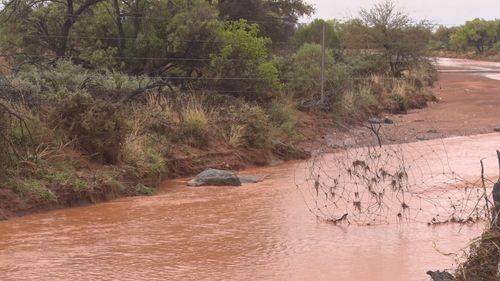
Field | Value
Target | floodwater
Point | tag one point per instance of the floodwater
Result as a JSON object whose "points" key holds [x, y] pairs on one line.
{"points": [[255, 232], [487, 69]]}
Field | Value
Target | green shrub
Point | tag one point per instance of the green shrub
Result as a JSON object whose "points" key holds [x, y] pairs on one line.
{"points": [[147, 155], [366, 65], [244, 53], [53, 82], [141, 189], [282, 115], [399, 103], [234, 135], [22, 135], [306, 72], [423, 74], [194, 127], [356, 105], [257, 133], [97, 127], [34, 189]]}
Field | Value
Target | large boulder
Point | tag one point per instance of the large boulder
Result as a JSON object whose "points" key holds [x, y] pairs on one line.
{"points": [[213, 177]]}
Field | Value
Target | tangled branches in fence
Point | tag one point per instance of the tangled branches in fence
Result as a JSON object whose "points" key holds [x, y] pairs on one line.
{"points": [[369, 180]]}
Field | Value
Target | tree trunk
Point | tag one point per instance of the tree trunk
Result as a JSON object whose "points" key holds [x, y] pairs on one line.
{"points": [[68, 23], [119, 25], [71, 17]]}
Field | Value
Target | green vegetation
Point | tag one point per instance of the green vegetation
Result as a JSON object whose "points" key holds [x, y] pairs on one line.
{"points": [[103, 97], [477, 37]]}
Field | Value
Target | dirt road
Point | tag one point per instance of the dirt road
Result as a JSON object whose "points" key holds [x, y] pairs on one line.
{"points": [[470, 102]]}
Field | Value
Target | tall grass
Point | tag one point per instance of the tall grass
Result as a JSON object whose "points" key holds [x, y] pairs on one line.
{"points": [[194, 127]]}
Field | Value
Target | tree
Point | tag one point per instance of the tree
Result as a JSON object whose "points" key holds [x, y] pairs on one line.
{"points": [[276, 18], [442, 36], [395, 35], [161, 38], [242, 64], [48, 21], [478, 33], [312, 33]]}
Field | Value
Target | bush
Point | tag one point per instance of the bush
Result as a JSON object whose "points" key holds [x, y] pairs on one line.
{"points": [[21, 135], [243, 54], [364, 65], [97, 127], [423, 74], [356, 105], [147, 155], [233, 135], [282, 114], [257, 133], [53, 82], [243, 124], [35, 190], [306, 73], [194, 127]]}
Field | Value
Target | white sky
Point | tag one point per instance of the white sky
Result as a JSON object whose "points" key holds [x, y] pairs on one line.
{"points": [[448, 12]]}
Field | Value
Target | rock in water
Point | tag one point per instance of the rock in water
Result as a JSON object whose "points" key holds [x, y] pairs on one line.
{"points": [[213, 177], [251, 179], [440, 275]]}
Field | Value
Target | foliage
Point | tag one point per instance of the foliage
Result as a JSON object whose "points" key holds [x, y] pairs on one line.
{"points": [[148, 142], [54, 81], [398, 38], [306, 72], [478, 33], [312, 33], [246, 125], [194, 127], [276, 18], [282, 114], [97, 127], [257, 127], [234, 135], [243, 60], [356, 104]]}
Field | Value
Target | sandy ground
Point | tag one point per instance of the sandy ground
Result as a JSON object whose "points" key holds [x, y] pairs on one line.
{"points": [[470, 101], [470, 104]]}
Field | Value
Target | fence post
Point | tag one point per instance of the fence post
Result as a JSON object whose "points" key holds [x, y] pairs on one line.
{"points": [[496, 200], [323, 50]]}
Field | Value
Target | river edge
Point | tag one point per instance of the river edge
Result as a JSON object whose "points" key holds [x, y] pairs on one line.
{"points": [[323, 134]]}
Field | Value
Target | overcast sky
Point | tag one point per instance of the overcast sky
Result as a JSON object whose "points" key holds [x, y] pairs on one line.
{"points": [[448, 12]]}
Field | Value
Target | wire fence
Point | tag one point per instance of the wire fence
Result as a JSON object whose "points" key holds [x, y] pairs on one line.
{"points": [[371, 180]]}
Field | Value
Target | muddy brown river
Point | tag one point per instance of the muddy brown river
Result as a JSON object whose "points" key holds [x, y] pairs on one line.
{"points": [[255, 232]]}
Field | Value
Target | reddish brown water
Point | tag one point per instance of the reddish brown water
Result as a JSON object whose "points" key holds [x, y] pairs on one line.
{"points": [[255, 232]]}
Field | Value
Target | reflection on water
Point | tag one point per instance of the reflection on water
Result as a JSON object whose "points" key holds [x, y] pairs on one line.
{"points": [[256, 232]]}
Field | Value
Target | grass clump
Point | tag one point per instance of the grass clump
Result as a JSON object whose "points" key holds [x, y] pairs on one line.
{"points": [[234, 135], [34, 189], [356, 105], [194, 127], [141, 189]]}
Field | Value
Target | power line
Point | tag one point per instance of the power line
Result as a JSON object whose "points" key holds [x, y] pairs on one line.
{"points": [[153, 18], [133, 38]]}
